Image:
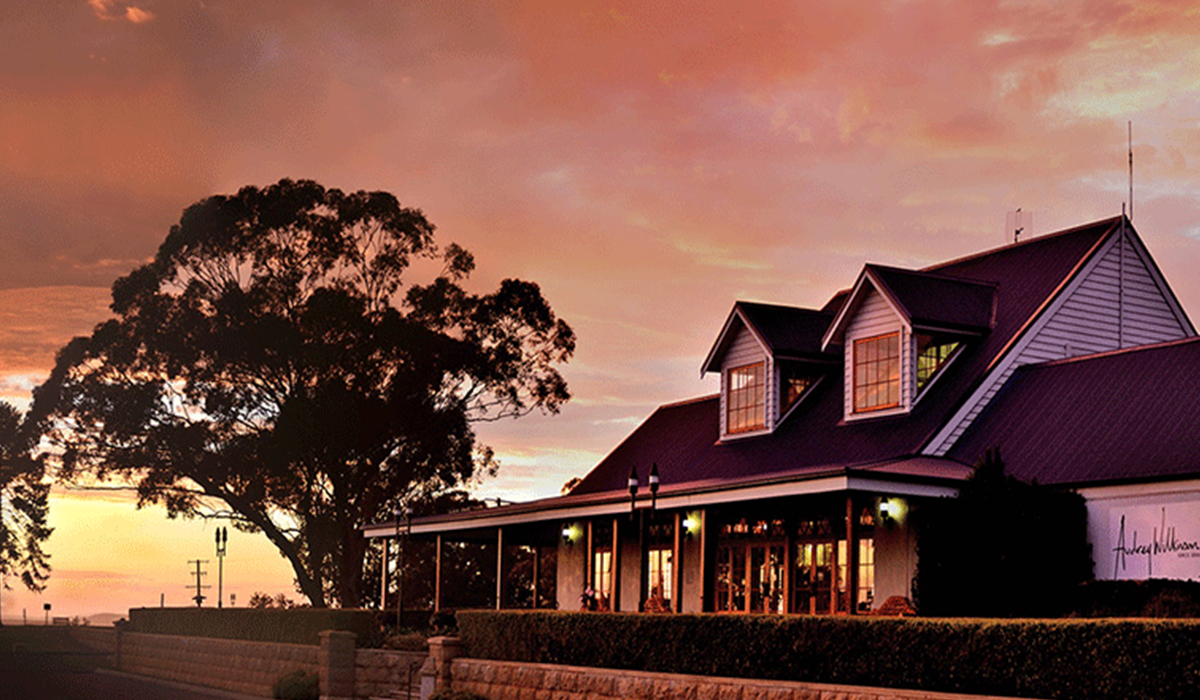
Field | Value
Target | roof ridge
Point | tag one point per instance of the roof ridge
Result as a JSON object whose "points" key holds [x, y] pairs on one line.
{"points": [[688, 402], [1111, 221], [925, 272], [772, 305], [1116, 351]]}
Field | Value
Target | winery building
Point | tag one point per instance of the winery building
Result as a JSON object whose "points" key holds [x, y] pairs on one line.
{"points": [[789, 491]]}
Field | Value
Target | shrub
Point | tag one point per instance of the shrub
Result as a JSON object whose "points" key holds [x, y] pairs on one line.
{"points": [[1015, 528], [298, 685], [1062, 659]]}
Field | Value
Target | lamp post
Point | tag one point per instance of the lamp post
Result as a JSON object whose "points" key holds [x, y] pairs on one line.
{"points": [[633, 489], [222, 541], [653, 486], [398, 511]]}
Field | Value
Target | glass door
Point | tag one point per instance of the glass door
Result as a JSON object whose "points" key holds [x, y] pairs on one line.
{"points": [[812, 577], [766, 578]]}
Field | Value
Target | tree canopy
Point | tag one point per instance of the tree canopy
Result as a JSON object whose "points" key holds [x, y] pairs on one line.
{"points": [[274, 364], [24, 494]]}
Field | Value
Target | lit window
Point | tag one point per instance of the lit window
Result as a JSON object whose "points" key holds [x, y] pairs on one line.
{"points": [[866, 574], [602, 577], [932, 355], [792, 385], [746, 400], [659, 580], [877, 373]]}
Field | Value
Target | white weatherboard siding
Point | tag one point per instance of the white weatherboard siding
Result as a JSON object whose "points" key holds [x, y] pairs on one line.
{"points": [[746, 350], [877, 317], [1116, 296]]}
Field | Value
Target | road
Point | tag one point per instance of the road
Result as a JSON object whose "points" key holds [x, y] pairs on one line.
{"points": [[42, 684], [47, 663]]}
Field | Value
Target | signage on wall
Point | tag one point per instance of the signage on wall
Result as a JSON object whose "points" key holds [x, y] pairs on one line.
{"points": [[1156, 541]]}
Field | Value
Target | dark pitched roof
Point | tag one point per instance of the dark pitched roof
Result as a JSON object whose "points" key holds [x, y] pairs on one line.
{"points": [[1117, 416], [933, 300], [684, 438], [789, 331]]}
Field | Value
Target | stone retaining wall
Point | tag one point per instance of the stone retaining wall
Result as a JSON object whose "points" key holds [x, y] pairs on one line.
{"points": [[378, 671], [251, 668], [503, 680]]}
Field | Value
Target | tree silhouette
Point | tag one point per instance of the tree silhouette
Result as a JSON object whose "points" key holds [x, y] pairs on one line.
{"points": [[275, 365], [24, 497]]}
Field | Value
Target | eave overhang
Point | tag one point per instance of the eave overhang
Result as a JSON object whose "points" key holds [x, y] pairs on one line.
{"points": [[920, 476]]}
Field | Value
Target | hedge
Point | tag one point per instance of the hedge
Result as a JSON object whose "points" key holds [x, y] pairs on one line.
{"points": [[287, 626], [1058, 659]]}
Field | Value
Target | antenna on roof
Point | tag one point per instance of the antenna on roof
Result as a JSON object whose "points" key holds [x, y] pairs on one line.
{"points": [[1131, 170], [1016, 223]]}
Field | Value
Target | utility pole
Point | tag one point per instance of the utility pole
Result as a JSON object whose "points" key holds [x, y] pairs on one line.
{"points": [[222, 540], [199, 597]]}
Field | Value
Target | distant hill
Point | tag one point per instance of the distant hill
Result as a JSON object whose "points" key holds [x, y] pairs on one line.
{"points": [[103, 619]]}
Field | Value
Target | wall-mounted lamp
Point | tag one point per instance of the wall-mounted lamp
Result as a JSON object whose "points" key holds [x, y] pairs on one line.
{"points": [[691, 524], [571, 533], [892, 510]]}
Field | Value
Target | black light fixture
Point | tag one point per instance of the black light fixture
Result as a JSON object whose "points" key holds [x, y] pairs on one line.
{"points": [[653, 485], [633, 487], [885, 510]]}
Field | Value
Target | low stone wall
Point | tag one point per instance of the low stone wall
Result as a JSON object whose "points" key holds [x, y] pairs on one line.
{"points": [[251, 668], [503, 680], [378, 671]]}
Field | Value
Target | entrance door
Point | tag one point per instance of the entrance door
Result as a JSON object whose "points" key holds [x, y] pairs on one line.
{"points": [[751, 577], [812, 577], [766, 578]]}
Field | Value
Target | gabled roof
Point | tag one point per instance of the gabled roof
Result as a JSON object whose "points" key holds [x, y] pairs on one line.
{"points": [[684, 438], [925, 300], [786, 332], [936, 301], [1123, 415]]}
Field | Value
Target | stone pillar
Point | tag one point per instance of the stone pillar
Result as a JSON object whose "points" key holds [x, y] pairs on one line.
{"points": [[435, 674], [335, 662]]}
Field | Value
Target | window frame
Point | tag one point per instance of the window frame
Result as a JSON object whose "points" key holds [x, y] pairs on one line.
{"points": [[756, 408], [858, 346]]}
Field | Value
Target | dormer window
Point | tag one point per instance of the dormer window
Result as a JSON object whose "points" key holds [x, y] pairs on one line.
{"points": [[877, 373], [793, 382], [746, 402], [932, 354]]}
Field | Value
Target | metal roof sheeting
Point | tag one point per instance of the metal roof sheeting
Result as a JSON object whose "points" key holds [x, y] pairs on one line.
{"points": [[1125, 415]]}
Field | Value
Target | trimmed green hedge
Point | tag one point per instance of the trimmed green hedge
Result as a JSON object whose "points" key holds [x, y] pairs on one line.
{"points": [[1062, 659], [290, 626]]}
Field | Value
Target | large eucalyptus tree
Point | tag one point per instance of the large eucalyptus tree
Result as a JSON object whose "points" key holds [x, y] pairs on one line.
{"points": [[275, 365]]}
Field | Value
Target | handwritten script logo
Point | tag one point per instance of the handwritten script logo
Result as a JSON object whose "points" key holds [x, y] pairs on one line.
{"points": [[1162, 541]]}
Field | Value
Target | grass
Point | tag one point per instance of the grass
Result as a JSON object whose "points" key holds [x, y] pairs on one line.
{"points": [[47, 648]]}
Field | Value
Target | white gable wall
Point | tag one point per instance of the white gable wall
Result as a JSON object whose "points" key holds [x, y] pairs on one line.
{"points": [[746, 350], [1116, 298], [877, 317]]}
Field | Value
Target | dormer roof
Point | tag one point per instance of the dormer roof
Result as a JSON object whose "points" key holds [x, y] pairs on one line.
{"points": [[925, 300], [785, 332]]}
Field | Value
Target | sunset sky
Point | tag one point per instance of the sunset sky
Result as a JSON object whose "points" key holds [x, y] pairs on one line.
{"points": [[647, 163]]}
